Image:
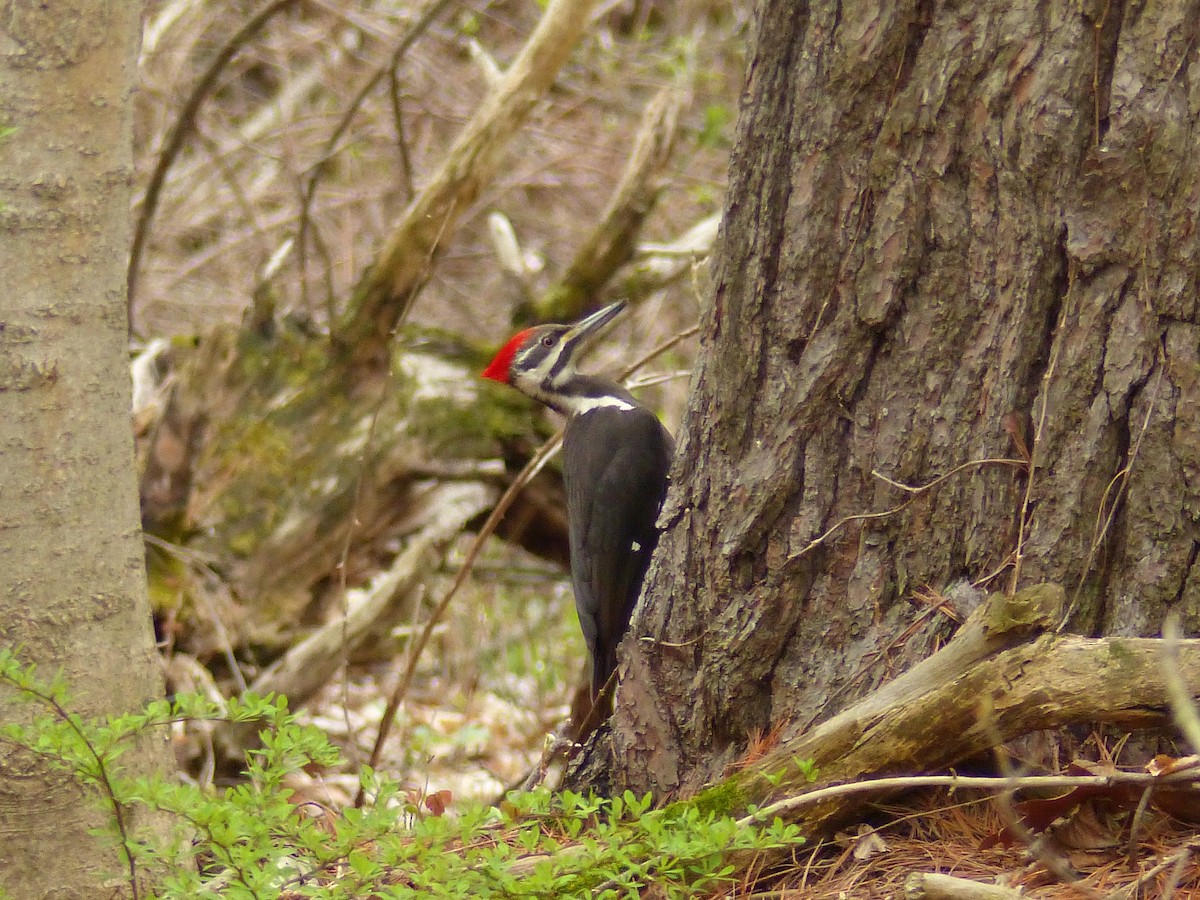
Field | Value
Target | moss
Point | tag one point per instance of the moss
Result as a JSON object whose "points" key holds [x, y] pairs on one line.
{"points": [[1118, 650], [473, 429], [726, 798], [1037, 606], [1120, 654], [166, 579], [471, 417], [289, 409], [444, 344], [287, 444], [561, 302]]}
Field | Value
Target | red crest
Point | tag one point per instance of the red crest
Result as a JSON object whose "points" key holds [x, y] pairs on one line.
{"points": [[500, 368]]}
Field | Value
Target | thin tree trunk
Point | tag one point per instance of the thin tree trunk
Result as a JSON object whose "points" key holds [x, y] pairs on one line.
{"points": [[956, 236], [73, 589]]}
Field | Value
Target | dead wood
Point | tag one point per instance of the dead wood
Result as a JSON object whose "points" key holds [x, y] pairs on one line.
{"points": [[404, 262], [1001, 677], [386, 603], [286, 470], [613, 241], [931, 886], [371, 612], [273, 475], [657, 265]]}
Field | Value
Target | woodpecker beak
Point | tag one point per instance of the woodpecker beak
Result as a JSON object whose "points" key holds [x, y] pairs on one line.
{"points": [[587, 328], [500, 368]]}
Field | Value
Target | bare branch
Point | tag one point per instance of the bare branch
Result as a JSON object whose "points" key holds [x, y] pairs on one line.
{"points": [[382, 297], [613, 241], [182, 128], [309, 665]]}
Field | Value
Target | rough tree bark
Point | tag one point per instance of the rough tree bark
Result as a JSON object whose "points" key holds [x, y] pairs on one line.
{"points": [[953, 234], [72, 580]]}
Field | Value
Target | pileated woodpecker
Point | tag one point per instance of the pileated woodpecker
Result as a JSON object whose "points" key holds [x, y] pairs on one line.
{"points": [[616, 455]]}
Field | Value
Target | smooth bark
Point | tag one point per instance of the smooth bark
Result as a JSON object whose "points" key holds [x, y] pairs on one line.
{"points": [[73, 589]]}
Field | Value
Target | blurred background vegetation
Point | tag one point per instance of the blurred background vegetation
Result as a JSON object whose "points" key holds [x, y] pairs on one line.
{"points": [[309, 142]]}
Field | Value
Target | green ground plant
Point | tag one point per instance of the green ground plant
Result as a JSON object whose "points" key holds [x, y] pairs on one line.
{"points": [[255, 840]]}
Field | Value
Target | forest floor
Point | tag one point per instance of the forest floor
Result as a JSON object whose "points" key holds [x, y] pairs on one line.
{"points": [[496, 684], [1087, 854]]}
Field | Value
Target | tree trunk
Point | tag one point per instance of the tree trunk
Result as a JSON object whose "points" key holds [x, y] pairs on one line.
{"points": [[73, 595], [954, 235]]}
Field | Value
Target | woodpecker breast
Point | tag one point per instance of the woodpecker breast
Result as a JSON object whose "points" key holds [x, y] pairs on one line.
{"points": [[616, 455]]}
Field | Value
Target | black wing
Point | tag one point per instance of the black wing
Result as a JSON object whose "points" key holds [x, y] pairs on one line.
{"points": [[615, 463]]}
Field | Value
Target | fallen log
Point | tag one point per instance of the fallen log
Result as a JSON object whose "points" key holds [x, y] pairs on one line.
{"points": [[1005, 674], [381, 298], [373, 611]]}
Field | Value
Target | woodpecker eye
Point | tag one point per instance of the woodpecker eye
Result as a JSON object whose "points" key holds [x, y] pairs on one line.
{"points": [[548, 341]]}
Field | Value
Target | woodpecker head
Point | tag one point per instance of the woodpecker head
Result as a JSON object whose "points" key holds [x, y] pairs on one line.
{"points": [[541, 362]]}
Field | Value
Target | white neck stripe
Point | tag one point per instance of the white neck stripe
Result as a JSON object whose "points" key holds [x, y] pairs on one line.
{"points": [[581, 405]]}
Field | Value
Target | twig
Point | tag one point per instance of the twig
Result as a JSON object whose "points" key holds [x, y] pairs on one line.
{"points": [[1018, 554], [344, 560], [540, 458], [406, 169], [1178, 694], [1181, 860], [836, 526], [1118, 483], [657, 351], [102, 777], [1135, 822], [383, 293], [635, 384], [1036, 844], [309, 191], [543, 455], [197, 561], [179, 132], [1176, 861], [914, 491], [959, 782], [972, 464]]}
